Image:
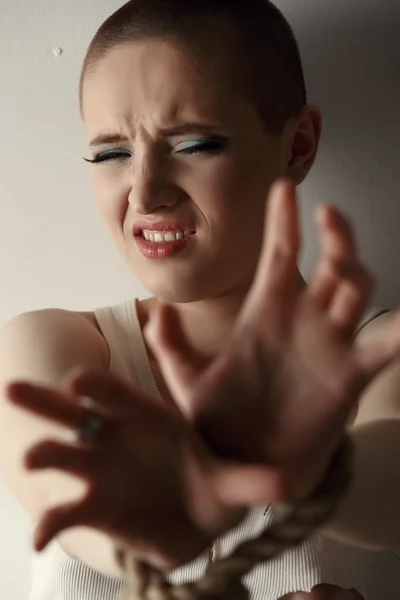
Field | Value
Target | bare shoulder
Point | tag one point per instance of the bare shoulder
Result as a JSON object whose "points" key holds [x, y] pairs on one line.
{"points": [[52, 336], [375, 329], [89, 316], [380, 400]]}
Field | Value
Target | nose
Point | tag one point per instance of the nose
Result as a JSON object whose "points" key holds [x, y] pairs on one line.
{"points": [[152, 189]]}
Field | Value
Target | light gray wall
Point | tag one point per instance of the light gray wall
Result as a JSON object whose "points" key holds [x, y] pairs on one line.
{"points": [[54, 250]]}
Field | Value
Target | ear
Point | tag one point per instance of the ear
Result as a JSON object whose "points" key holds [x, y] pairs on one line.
{"points": [[303, 133]]}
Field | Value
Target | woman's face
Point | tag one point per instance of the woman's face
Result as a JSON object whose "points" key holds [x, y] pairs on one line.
{"points": [[185, 156]]}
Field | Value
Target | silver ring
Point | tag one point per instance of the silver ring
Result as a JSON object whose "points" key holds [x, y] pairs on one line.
{"points": [[91, 429], [93, 425]]}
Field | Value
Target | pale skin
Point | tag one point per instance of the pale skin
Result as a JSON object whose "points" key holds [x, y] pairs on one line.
{"points": [[221, 318]]}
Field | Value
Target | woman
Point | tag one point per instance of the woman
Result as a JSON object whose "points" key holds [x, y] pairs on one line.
{"points": [[230, 387]]}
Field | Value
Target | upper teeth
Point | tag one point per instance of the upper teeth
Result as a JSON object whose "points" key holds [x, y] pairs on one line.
{"points": [[164, 236]]}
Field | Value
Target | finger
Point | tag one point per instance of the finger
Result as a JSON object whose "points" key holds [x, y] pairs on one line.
{"points": [[47, 402], [53, 455], [351, 298], [180, 365], [281, 243], [336, 233], [239, 485], [337, 245], [224, 485], [277, 272], [323, 283], [59, 519], [377, 355], [108, 392]]}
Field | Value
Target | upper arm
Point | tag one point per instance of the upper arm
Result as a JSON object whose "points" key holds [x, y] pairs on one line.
{"points": [[381, 399], [41, 347]]}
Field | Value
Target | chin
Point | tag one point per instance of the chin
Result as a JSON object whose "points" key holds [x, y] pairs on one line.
{"points": [[187, 281], [183, 289], [173, 294]]}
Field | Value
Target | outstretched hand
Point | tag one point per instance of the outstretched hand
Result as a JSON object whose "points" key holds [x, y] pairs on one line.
{"points": [[152, 485], [290, 377]]}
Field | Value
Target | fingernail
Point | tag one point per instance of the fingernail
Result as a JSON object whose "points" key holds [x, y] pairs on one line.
{"points": [[38, 542], [87, 402], [15, 389]]}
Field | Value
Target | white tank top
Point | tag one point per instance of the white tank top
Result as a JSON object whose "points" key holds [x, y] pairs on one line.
{"points": [[374, 574]]}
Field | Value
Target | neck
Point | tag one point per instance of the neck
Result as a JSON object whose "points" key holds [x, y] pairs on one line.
{"points": [[208, 324]]}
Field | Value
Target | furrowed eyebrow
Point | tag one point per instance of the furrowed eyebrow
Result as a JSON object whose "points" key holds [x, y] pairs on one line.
{"points": [[184, 129], [188, 128], [108, 138]]}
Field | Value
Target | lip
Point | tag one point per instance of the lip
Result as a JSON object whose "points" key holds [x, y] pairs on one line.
{"points": [[140, 226], [163, 250]]}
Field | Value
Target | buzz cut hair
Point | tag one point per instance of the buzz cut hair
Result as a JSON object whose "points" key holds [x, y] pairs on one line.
{"points": [[266, 50]]}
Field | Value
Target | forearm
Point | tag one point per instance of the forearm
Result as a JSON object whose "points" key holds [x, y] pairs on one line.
{"points": [[369, 514]]}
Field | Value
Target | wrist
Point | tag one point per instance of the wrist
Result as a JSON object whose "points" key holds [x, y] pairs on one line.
{"points": [[307, 484]]}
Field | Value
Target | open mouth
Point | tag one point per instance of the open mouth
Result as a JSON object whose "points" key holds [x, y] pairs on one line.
{"points": [[163, 237]]}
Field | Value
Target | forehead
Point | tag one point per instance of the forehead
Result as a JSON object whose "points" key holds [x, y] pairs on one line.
{"points": [[160, 82]]}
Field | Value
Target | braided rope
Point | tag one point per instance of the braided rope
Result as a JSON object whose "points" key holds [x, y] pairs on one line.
{"points": [[223, 579]]}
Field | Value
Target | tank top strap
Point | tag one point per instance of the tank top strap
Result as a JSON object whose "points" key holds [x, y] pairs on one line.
{"points": [[369, 316], [121, 329]]}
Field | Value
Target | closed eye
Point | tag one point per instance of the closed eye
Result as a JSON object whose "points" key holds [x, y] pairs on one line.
{"points": [[209, 146], [109, 155]]}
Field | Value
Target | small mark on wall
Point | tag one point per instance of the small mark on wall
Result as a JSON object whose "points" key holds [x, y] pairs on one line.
{"points": [[57, 51]]}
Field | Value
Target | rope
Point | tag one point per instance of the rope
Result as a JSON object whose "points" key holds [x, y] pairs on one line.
{"points": [[223, 580]]}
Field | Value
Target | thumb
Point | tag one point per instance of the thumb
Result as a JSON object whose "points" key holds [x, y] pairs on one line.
{"points": [[179, 363], [239, 485]]}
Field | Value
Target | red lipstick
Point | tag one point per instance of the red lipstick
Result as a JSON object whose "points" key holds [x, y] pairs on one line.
{"points": [[161, 250]]}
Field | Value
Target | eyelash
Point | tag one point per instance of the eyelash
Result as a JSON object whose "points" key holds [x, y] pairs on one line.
{"points": [[120, 155], [106, 157]]}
